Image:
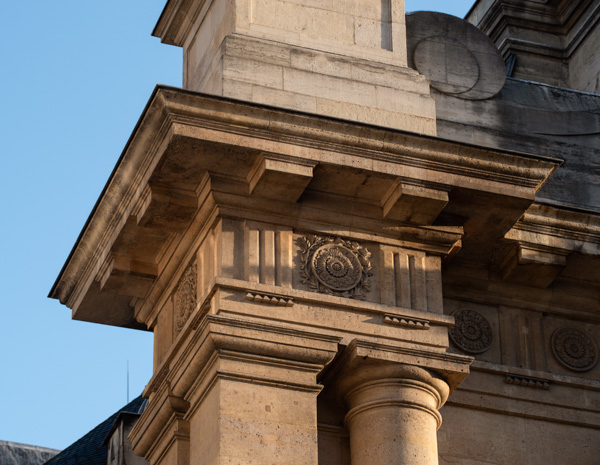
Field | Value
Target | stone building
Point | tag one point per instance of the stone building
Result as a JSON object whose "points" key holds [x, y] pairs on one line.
{"points": [[14, 453], [361, 237]]}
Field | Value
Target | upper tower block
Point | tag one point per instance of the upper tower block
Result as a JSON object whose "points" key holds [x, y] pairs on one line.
{"points": [[341, 58], [550, 41]]}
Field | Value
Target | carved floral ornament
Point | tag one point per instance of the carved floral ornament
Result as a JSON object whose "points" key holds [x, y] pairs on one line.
{"points": [[185, 297], [471, 332], [574, 349], [335, 266]]}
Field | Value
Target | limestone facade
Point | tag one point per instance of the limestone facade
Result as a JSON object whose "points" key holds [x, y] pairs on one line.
{"points": [[356, 242]]}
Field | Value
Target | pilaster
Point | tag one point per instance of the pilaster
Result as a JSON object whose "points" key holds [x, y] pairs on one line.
{"points": [[245, 392]]}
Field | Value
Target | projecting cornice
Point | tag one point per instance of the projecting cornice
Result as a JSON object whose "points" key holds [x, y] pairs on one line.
{"points": [[194, 157], [561, 229], [544, 238], [177, 19]]}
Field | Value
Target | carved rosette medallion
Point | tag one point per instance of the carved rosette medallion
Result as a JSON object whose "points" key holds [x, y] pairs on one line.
{"points": [[574, 349], [185, 297], [336, 267], [471, 332]]}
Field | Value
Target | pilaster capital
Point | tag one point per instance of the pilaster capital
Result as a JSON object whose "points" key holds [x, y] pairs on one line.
{"points": [[150, 436], [229, 339]]}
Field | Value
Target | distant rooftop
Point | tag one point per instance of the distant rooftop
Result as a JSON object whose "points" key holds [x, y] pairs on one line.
{"points": [[91, 448], [13, 453]]}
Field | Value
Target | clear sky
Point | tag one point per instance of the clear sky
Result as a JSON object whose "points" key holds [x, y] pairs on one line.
{"points": [[75, 77]]}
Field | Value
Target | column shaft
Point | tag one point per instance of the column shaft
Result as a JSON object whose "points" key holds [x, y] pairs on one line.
{"points": [[393, 421]]}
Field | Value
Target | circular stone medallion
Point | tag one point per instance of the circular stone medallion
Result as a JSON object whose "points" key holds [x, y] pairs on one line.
{"points": [[574, 349], [450, 66], [336, 267], [471, 332], [459, 59]]}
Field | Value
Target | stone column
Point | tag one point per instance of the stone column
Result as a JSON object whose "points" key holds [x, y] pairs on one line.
{"points": [[393, 416], [393, 405]]}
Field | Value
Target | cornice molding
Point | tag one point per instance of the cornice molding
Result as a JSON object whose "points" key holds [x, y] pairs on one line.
{"points": [[178, 18], [452, 163], [115, 204], [564, 231], [545, 238]]}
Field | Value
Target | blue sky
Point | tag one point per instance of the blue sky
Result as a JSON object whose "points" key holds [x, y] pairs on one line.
{"points": [[76, 76]]}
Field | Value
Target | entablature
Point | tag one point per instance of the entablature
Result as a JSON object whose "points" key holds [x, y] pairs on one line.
{"points": [[194, 159]]}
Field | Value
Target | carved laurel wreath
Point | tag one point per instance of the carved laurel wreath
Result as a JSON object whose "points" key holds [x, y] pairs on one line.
{"points": [[185, 297], [336, 267]]}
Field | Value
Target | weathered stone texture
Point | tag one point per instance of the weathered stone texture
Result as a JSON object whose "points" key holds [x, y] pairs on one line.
{"points": [[584, 65]]}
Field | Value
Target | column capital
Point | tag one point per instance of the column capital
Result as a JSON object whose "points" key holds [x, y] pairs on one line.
{"points": [[363, 361], [393, 395]]}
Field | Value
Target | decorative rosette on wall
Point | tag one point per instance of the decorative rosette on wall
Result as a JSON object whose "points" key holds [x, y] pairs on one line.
{"points": [[574, 349], [335, 266], [471, 332]]}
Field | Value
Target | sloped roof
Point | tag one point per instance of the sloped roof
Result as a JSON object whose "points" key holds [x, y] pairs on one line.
{"points": [[14, 453], [91, 449]]}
